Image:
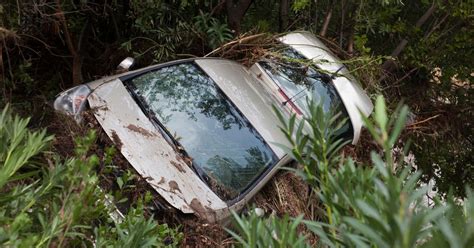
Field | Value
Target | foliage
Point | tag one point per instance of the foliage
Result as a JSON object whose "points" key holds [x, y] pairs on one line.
{"points": [[300, 5], [367, 205], [48, 202], [136, 231], [216, 33], [270, 232], [36, 61], [160, 26], [18, 144]]}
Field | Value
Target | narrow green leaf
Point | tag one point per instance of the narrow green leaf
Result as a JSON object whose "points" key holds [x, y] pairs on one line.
{"points": [[365, 230], [399, 125], [381, 113]]}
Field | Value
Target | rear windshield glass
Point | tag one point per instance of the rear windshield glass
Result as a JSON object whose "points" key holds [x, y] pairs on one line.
{"points": [[226, 150], [301, 82]]}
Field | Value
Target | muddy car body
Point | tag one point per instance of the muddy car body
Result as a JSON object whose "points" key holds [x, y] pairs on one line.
{"points": [[201, 131]]}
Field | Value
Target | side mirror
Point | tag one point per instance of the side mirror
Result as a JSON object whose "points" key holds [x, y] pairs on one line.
{"points": [[125, 64]]}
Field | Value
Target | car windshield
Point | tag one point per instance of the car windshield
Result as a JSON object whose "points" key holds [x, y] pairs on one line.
{"points": [[300, 82], [226, 150]]}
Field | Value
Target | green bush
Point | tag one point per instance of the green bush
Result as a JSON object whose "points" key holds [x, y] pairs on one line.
{"points": [[45, 201], [254, 231], [376, 205], [214, 32]]}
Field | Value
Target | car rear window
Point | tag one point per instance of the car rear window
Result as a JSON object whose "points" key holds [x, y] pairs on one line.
{"points": [[226, 150], [302, 81]]}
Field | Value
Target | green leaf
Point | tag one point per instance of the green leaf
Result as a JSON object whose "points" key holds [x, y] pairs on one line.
{"points": [[399, 125], [359, 241], [380, 113], [379, 164], [120, 182], [365, 230]]}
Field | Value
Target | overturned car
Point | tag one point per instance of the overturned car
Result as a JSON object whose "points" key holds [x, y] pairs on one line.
{"points": [[202, 131]]}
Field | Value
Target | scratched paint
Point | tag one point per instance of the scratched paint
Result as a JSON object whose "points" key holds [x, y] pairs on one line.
{"points": [[151, 155]]}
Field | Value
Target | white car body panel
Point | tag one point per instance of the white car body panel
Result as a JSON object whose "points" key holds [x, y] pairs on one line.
{"points": [[239, 86], [264, 79], [150, 154], [352, 95]]}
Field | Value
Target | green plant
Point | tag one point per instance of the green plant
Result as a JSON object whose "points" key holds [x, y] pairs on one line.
{"points": [[136, 231], [379, 204], [215, 32], [123, 181], [257, 231], [49, 201], [157, 30], [17, 144]]}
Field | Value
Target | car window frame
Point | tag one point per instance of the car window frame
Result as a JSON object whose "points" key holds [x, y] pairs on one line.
{"points": [[319, 70], [125, 79]]}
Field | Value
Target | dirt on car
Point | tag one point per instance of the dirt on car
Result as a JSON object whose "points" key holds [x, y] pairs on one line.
{"points": [[284, 194]]}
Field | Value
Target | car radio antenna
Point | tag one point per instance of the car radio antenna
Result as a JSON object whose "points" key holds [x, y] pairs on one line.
{"points": [[289, 99], [333, 75]]}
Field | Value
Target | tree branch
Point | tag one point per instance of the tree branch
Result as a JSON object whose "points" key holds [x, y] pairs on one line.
{"points": [[326, 22], [235, 13], [76, 59], [389, 64]]}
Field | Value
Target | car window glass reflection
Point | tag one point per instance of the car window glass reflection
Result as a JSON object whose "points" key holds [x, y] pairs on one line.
{"points": [[302, 83], [202, 119]]}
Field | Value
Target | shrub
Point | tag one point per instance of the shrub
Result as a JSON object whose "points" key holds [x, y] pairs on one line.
{"points": [[376, 205], [254, 231], [48, 201]]}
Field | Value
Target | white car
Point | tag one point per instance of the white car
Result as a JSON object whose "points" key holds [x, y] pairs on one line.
{"points": [[326, 81], [201, 131]]}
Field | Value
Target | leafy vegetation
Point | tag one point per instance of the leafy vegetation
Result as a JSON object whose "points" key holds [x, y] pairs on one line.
{"points": [[418, 51], [255, 231], [375, 205], [49, 201]]}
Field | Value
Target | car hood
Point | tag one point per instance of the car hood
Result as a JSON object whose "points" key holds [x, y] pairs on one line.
{"points": [[150, 154]]}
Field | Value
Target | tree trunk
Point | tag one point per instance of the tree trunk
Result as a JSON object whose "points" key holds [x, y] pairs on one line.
{"points": [[235, 13], [283, 18], [389, 64], [350, 42], [343, 14], [2, 76], [76, 59], [315, 17], [326, 22]]}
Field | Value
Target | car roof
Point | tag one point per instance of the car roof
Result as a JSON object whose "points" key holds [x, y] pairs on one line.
{"points": [[247, 94], [239, 86]]}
